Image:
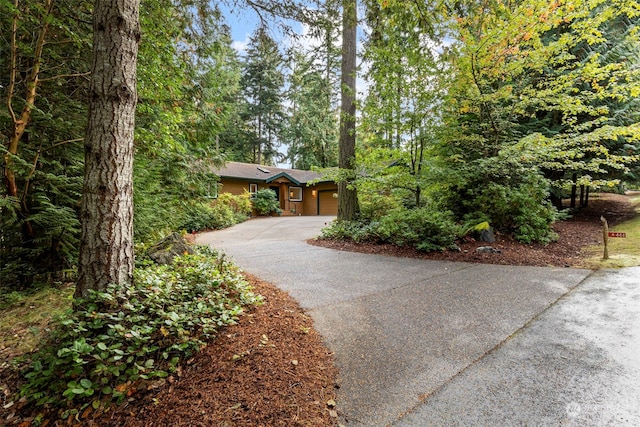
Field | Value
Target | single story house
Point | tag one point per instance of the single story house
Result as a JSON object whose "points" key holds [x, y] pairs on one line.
{"points": [[291, 187]]}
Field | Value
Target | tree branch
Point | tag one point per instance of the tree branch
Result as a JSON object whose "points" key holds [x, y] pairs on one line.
{"points": [[28, 180], [61, 76], [14, 54], [57, 144]]}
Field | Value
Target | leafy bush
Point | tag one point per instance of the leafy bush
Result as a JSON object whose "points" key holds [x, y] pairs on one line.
{"points": [[239, 204], [197, 216], [373, 206], [225, 211], [425, 228], [118, 339], [221, 216], [265, 202], [521, 209], [357, 231], [513, 196]]}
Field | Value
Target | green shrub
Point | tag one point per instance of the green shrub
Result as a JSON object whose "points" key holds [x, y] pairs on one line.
{"points": [[116, 340], [223, 212], [357, 231], [519, 209], [373, 206], [221, 216], [239, 204], [424, 228], [197, 216], [265, 202]]}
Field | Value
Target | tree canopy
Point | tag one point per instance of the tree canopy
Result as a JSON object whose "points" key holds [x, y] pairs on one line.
{"points": [[492, 111]]}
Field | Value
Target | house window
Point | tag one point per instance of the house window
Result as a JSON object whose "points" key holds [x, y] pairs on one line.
{"points": [[253, 189], [295, 194], [212, 191]]}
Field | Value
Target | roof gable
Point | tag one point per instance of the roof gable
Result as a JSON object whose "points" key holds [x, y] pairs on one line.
{"points": [[284, 175]]}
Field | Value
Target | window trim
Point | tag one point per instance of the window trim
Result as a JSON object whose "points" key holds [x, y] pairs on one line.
{"points": [[253, 186], [216, 191], [291, 189]]}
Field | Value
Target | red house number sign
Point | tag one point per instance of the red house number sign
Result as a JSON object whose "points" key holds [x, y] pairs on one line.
{"points": [[617, 234]]}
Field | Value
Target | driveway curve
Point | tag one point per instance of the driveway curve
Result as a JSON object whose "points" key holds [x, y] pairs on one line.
{"points": [[415, 340]]}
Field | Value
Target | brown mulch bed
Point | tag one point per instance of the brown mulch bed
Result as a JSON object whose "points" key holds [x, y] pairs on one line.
{"points": [[575, 234], [272, 369]]}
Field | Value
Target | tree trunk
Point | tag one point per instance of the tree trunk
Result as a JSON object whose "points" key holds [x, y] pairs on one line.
{"points": [[347, 197], [574, 189], [586, 198], [106, 246]]}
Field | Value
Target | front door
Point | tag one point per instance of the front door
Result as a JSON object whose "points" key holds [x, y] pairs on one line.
{"points": [[276, 189]]}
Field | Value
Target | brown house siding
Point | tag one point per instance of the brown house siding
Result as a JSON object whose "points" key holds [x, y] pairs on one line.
{"points": [[234, 187], [237, 178], [309, 204]]}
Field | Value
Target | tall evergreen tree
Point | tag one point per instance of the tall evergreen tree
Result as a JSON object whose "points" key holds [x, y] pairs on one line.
{"points": [[347, 194], [106, 245], [312, 125], [262, 85]]}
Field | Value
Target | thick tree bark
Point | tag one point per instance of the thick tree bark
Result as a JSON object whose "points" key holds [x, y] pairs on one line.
{"points": [[347, 197], [106, 247]]}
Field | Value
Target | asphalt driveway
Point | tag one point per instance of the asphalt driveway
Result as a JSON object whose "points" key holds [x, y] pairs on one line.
{"points": [[421, 343]]}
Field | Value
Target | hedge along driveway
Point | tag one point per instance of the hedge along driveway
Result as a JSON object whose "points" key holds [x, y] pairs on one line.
{"points": [[400, 328]]}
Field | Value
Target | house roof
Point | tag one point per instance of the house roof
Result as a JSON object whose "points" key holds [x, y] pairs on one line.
{"points": [[253, 172]]}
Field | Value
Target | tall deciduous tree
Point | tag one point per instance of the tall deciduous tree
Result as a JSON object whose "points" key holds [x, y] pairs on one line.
{"points": [[532, 106], [407, 80], [347, 194], [106, 248]]}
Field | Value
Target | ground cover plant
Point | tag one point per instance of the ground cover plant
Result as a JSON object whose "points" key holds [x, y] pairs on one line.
{"points": [[579, 241], [130, 337], [422, 228]]}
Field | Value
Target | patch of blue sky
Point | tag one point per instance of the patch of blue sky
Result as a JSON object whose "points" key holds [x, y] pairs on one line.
{"points": [[243, 22]]}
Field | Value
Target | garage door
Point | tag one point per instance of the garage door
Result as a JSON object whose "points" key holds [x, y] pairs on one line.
{"points": [[328, 204]]}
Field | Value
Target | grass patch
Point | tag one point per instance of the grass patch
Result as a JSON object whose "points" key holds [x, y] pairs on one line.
{"points": [[25, 318], [623, 252]]}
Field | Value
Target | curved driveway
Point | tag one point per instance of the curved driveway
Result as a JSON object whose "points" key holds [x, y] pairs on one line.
{"points": [[421, 343]]}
